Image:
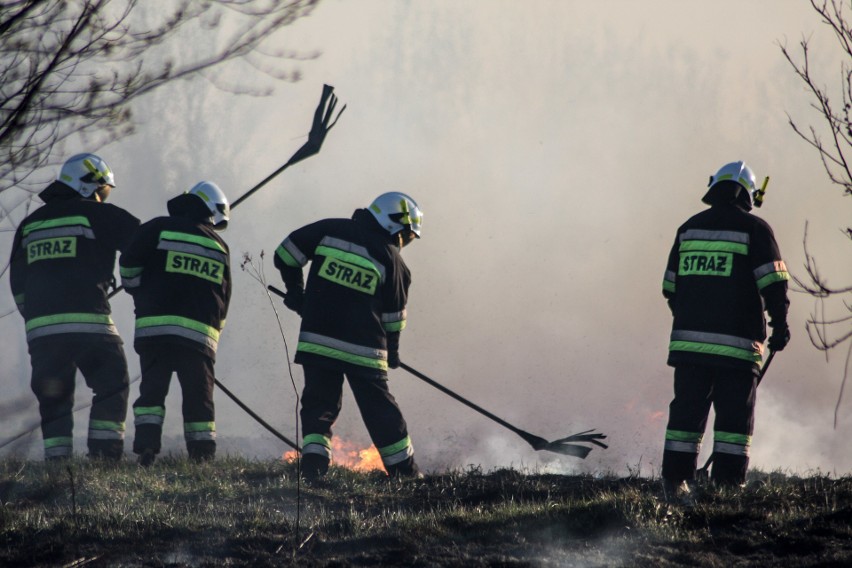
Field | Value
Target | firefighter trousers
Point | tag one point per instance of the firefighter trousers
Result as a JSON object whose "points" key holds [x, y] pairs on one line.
{"points": [[196, 377], [732, 393], [55, 361], [322, 399]]}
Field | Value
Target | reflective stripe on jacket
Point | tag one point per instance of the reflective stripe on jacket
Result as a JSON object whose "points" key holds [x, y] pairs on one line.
{"points": [[357, 289], [62, 265], [178, 272], [723, 268]]}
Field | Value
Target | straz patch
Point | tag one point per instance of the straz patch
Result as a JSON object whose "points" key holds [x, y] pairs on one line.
{"points": [[60, 247], [194, 265], [705, 264], [349, 275]]}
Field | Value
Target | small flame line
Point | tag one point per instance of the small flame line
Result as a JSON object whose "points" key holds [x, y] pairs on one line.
{"points": [[346, 454]]}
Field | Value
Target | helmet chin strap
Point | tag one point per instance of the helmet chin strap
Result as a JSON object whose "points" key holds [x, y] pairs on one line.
{"points": [[101, 194], [401, 238]]}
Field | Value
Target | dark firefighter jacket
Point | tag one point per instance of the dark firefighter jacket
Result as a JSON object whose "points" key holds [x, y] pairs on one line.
{"points": [[356, 292], [723, 271], [62, 265], [178, 271]]}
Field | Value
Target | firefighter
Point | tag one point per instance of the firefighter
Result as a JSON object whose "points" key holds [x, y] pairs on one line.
{"points": [[353, 310], [178, 271], [61, 270], [723, 272]]}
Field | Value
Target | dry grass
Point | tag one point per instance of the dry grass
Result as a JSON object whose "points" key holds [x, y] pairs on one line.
{"points": [[248, 513]]}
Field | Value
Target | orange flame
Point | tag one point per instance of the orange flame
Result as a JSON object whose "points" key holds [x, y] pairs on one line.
{"points": [[346, 454], [290, 457]]}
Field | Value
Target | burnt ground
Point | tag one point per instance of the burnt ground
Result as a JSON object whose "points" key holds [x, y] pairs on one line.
{"points": [[503, 518]]}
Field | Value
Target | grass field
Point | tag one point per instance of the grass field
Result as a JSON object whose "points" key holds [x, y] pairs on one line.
{"points": [[237, 512]]}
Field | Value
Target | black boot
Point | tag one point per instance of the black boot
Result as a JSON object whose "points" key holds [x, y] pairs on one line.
{"points": [[147, 457], [729, 470], [677, 492], [407, 468], [201, 451], [108, 450], [314, 466]]}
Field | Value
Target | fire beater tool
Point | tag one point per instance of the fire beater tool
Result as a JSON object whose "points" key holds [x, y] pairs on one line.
{"points": [[561, 446], [322, 124]]}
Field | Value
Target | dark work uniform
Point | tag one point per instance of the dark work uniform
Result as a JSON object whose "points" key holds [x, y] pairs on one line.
{"points": [[178, 271], [354, 310], [723, 271], [61, 269]]}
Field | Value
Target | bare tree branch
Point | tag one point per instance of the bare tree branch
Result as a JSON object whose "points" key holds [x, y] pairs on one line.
{"points": [[74, 67], [828, 332]]}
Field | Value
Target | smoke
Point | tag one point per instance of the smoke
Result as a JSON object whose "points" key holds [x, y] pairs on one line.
{"points": [[554, 147]]}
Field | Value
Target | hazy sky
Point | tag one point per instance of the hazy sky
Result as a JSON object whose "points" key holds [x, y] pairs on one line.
{"points": [[554, 146]]}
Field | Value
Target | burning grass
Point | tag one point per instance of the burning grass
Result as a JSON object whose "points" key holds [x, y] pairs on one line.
{"points": [[349, 455], [248, 513]]}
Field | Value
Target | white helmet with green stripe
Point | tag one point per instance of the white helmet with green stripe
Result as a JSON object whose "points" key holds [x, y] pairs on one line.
{"points": [[215, 201], [734, 182], [397, 212], [737, 172], [85, 174]]}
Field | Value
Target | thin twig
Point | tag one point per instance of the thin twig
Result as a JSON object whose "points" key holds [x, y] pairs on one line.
{"points": [[256, 271]]}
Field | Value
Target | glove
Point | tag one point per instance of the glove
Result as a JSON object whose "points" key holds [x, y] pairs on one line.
{"points": [[295, 300], [393, 359], [780, 337]]}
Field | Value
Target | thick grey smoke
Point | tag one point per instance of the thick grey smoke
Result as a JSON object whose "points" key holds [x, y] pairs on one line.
{"points": [[554, 147]]}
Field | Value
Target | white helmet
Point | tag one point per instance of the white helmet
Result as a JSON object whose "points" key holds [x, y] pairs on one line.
{"points": [[214, 199], [396, 212], [738, 172], [85, 173]]}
